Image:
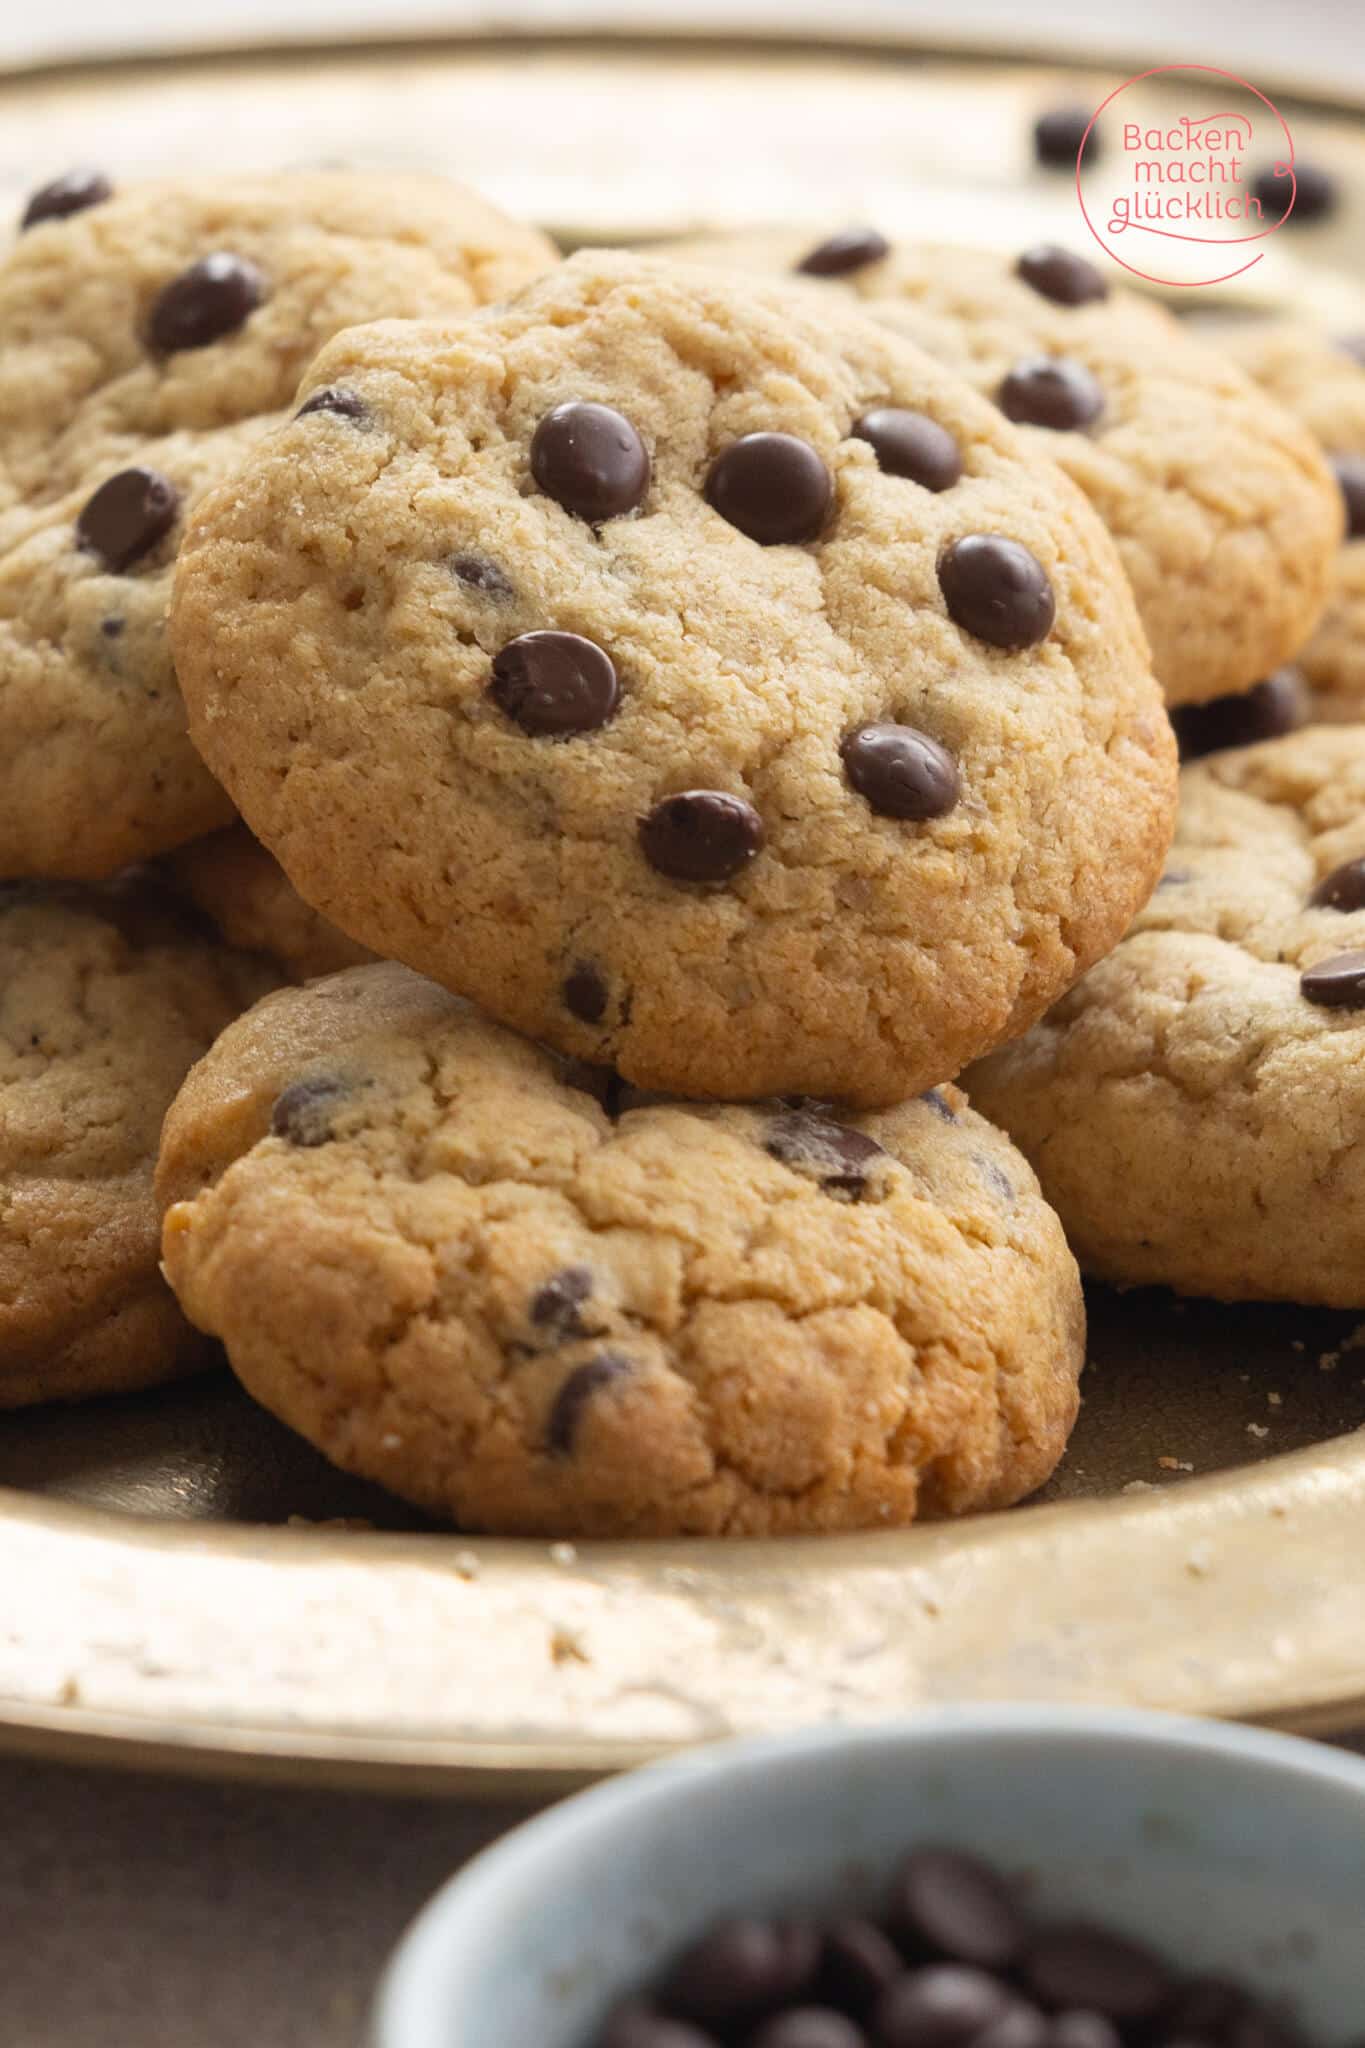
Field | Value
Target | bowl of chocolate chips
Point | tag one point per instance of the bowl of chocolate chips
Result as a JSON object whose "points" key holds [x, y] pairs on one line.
{"points": [[983, 1877]]}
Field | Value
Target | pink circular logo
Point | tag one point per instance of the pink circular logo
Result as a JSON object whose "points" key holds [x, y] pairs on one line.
{"points": [[1177, 194]]}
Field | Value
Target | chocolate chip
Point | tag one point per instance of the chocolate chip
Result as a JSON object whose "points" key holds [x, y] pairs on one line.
{"points": [[850, 249], [910, 444], [1337, 983], [1343, 889], [773, 487], [636, 2026], [996, 590], [555, 1306], [585, 993], [347, 405], [590, 460], [1060, 275], [113, 627], [1049, 391], [857, 1964], [701, 835], [71, 193], [1353, 345], [1097, 1970], [1350, 475], [836, 1155], [484, 576], [574, 1395], [1175, 878], [946, 2006], [995, 1177], [127, 516], [939, 1105], [1058, 135], [1278, 705], [209, 300], [555, 684], [902, 772], [741, 1970], [809, 2026], [1082, 2030], [1314, 192], [303, 1111], [944, 1903]]}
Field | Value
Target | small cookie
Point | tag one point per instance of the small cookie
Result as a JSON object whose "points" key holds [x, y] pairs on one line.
{"points": [[1195, 1108], [621, 674], [245, 892], [1322, 382], [107, 997], [1221, 507], [460, 1274], [147, 341]]}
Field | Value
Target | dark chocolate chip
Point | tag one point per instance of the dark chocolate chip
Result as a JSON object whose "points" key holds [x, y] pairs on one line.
{"points": [[997, 590], [809, 2026], [71, 193], [127, 516], [939, 1105], [555, 684], [834, 1154], [636, 2026], [902, 773], [1097, 1970], [209, 300], [701, 835], [590, 460], [1337, 983], [1278, 705], [1343, 889], [585, 993], [303, 1112], [1061, 275], [113, 627], [482, 575], [1082, 2030], [574, 1395], [946, 2006], [773, 487], [910, 444], [995, 1177], [858, 1963], [1050, 391], [850, 249], [347, 405], [1175, 878], [1314, 192], [555, 1306], [944, 1903], [741, 1970], [1350, 475], [1058, 135]]}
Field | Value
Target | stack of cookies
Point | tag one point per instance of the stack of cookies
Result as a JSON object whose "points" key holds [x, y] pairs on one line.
{"points": [[655, 721]]}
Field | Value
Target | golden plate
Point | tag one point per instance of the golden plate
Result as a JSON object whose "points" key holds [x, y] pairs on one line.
{"points": [[176, 1588]]}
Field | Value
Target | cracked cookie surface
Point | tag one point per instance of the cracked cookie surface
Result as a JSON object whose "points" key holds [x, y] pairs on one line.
{"points": [[246, 894], [1195, 1108], [602, 657], [532, 1307], [1220, 505], [107, 997], [147, 341]]}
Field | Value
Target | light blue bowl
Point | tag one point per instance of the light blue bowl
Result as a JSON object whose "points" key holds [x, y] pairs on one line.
{"points": [[1228, 1847]]}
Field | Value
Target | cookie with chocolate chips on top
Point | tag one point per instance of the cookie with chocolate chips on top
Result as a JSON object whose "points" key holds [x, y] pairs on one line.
{"points": [[694, 674], [148, 338], [1222, 509], [534, 1308], [1195, 1107]]}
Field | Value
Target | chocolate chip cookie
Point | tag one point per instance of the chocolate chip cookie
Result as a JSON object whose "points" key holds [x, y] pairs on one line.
{"points": [[531, 1302], [147, 340], [1222, 509], [1195, 1108], [107, 996], [1321, 379], [691, 672], [245, 892]]}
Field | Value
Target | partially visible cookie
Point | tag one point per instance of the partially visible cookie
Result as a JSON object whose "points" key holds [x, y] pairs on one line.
{"points": [[1322, 381], [147, 341], [231, 878], [1221, 506], [107, 996], [626, 670], [460, 1274], [1195, 1108]]}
